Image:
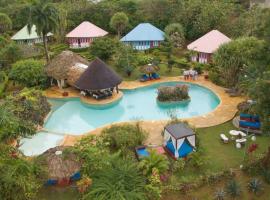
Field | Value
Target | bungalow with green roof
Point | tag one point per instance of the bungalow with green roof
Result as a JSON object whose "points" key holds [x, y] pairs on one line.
{"points": [[24, 37], [144, 36]]}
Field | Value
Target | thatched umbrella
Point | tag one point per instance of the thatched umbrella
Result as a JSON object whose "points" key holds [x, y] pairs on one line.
{"points": [[149, 69], [60, 166], [60, 66]]}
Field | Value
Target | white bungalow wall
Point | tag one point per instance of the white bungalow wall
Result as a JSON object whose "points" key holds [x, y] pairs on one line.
{"points": [[77, 43], [143, 45]]}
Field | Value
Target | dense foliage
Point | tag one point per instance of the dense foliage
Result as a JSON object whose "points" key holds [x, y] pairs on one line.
{"points": [[173, 93], [124, 137], [21, 114], [120, 180], [239, 57], [19, 178], [104, 48], [29, 73], [119, 22]]}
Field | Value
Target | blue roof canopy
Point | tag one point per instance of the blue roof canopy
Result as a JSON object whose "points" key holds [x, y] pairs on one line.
{"points": [[144, 32]]}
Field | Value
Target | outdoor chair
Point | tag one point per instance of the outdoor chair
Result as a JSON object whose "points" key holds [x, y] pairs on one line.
{"points": [[224, 138]]}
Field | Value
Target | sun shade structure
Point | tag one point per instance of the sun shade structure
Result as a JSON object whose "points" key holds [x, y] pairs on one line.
{"points": [[62, 167], [144, 36], [66, 67], [206, 45], [149, 69], [84, 34], [98, 76], [24, 37], [179, 140]]}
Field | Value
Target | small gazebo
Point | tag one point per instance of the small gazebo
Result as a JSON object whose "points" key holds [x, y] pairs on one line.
{"points": [[179, 140], [66, 68], [62, 167], [98, 76]]}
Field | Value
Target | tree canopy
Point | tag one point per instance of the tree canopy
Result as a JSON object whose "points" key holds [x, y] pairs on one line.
{"points": [[119, 22], [29, 73]]}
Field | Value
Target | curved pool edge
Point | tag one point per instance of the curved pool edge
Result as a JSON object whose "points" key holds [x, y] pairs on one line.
{"points": [[224, 112]]}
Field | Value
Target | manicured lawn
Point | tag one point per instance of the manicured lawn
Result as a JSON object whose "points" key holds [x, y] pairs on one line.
{"points": [[220, 156], [224, 156]]}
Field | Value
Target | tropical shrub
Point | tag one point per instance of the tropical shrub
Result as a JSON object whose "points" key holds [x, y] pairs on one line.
{"points": [[29, 73], [19, 178], [266, 175], [178, 165], [197, 159], [144, 59], [125, 59], [21, 114], [10, 54], [124, 137], [173, 93], [220, 194], [3, 83], [104, 47], [120, 180], [154, 162], [93, 154], [255, 186], [233, 188]]}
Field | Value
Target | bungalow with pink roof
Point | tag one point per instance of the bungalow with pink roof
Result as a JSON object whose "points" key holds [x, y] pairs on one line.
{"points": [[206, 45], [84, 34]]}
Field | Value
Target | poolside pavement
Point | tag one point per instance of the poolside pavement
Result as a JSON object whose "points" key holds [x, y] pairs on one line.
{"points": [[224, 112]]}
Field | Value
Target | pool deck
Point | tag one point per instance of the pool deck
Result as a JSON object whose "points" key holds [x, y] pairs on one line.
{"points": [[56, 93], [225, 111]]}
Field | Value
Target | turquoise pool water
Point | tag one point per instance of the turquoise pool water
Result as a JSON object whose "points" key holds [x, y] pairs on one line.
{"points": [[75, 118]]}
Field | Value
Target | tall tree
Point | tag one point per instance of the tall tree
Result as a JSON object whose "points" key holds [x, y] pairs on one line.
{"points": [[175, 33], [119, 22], [5, 23], [45, 17]]}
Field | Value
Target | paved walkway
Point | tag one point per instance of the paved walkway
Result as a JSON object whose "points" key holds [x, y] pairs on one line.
{"points": [[223, 113]]}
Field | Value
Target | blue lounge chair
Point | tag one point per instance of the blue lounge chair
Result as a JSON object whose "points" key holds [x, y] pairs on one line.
{"points": [[144, 78], [251, 125], [155, 76], [249, 117]]}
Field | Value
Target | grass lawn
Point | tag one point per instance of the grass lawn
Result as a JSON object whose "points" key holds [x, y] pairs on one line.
{"points": [[221, 156]]}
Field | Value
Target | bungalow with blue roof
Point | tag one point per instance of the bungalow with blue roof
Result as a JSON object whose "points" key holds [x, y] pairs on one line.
{"points": [[144, 36]]}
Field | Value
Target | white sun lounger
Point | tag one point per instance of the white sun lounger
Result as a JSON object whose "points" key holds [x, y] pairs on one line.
{"points": [[224, 138], [242, 134]]}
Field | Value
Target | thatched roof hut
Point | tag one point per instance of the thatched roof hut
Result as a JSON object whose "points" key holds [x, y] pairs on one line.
{"points": [[98, 76], [60, 66], [149, 69], [60, 166]]}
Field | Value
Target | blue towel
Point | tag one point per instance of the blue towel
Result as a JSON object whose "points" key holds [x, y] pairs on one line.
{"points": [[256, 125], [51, 182], [155, 76]]}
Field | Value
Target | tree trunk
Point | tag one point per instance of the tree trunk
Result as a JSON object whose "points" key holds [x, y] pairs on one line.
{"points": [[44, 37]]}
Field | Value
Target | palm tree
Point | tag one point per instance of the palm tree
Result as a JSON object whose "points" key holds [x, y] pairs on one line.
{"points": [[120, 180], [45, 17], [152, 161]]}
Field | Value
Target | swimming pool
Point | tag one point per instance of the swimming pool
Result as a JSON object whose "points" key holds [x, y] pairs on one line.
{"points": [[72, 117]]}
